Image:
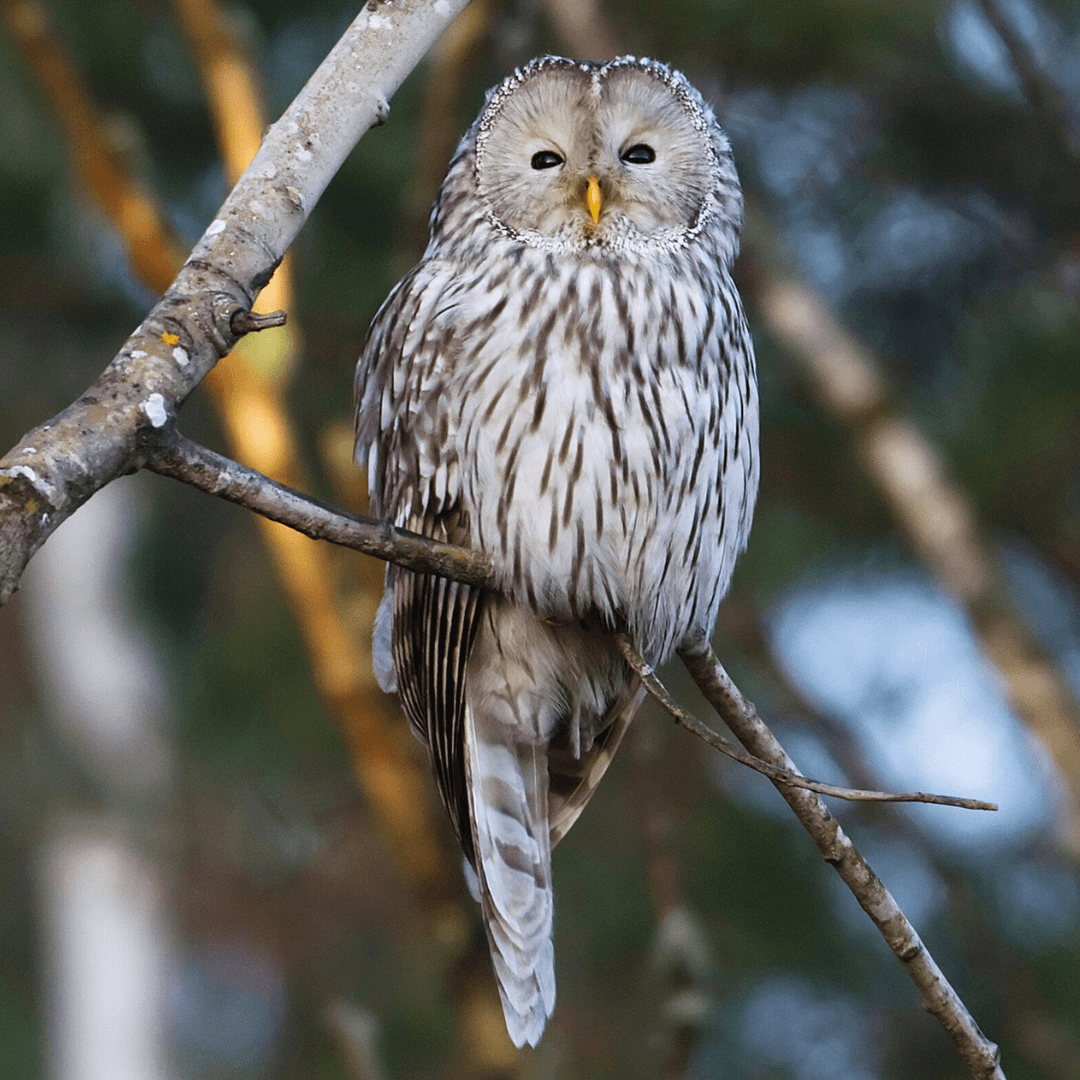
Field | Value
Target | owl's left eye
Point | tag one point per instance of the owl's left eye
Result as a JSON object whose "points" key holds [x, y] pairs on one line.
{"points": [[639, 154], [546, 159]]}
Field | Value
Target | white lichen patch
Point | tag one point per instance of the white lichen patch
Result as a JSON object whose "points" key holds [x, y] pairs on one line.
{"points": [[378, 22], [180, 355], [154, 407], [41, 485], [216, 226], [303, 153], [442, 7], [137, 354]]}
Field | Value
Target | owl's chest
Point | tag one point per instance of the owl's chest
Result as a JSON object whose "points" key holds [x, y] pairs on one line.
{"points": [[580, 412], [580, 379]]}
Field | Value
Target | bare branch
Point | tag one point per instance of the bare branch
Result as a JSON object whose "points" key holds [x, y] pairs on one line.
{"points": [[247, 322], [774, 773], [172, 454], [939, 998], [58, 466]]}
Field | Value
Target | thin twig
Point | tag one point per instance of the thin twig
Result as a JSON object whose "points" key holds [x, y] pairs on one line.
{"points": [[775, 774], [938, 996]]}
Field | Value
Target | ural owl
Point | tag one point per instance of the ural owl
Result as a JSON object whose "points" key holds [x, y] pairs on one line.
{"points": [[565, 382]]}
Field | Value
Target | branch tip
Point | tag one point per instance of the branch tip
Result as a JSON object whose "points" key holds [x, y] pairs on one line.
{"points": [[777, 775], [245, 322]]}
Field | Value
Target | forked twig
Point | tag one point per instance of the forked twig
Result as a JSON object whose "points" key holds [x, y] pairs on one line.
{"points": [[777, 775], [938, 996]]}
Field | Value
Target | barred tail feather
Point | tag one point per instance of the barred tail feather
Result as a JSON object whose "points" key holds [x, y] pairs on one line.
{"points": [[508, 796]]}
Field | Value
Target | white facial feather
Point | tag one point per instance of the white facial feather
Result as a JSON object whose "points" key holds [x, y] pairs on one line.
{"points": [[590, 118]]}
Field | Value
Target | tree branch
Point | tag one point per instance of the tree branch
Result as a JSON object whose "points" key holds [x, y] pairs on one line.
{"points": [[776, 774], [59, 465], [938, 996], [171, 454]]}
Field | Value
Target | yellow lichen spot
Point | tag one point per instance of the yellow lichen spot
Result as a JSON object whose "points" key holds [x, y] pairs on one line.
{"points": [[170, 339], [31, 506]]}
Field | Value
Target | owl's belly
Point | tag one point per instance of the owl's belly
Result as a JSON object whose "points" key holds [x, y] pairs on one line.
{"points": [[600, 497]]}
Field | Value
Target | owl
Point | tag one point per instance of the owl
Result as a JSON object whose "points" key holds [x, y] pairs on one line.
{"points": [[565, 382]]}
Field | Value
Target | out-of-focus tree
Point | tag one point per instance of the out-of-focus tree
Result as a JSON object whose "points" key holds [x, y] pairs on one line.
{"points": [[914, 171]]}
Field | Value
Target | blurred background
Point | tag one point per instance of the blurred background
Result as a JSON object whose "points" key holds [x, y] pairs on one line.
{"points": [[220, 854]]}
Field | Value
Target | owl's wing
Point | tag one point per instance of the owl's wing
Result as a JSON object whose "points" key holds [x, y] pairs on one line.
{"points": [[405, 428], [404, 425], [434, 628]]}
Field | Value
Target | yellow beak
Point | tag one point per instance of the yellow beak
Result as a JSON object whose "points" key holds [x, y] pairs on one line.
{"points": [[593, 198]]}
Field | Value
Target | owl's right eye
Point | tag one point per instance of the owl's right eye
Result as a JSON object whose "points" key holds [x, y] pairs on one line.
{"points": [[546, 159]]}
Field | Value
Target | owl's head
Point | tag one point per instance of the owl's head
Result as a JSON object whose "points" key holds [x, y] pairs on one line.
{"points": [[609, 155]]}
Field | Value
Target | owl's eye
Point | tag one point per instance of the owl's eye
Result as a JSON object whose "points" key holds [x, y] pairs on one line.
{"points": [[639, 154], [546, 159]]}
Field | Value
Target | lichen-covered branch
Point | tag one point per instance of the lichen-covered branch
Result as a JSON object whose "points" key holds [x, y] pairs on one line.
{"points": [[59, 465]]}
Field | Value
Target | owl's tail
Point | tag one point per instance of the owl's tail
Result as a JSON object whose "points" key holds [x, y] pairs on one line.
{"points": [[508, 800]]}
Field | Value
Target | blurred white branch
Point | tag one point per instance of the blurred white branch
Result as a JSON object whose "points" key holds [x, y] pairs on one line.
{"points": [[107, 953], [106, 931], [100, 681]]}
